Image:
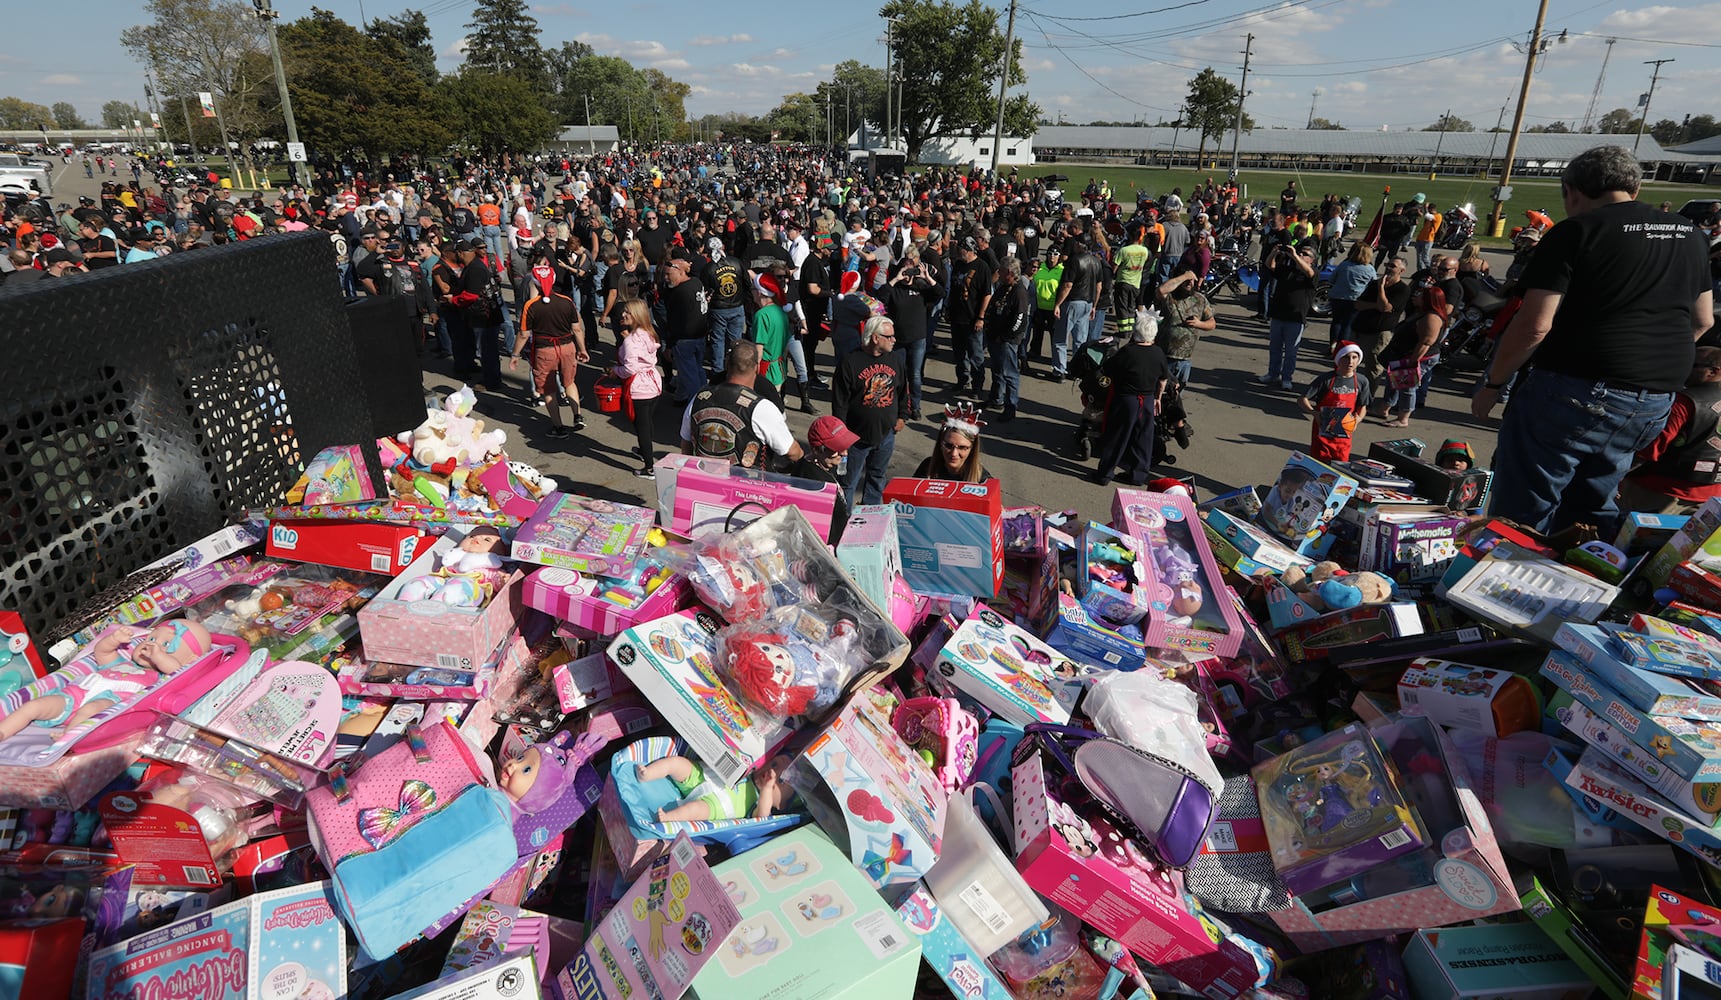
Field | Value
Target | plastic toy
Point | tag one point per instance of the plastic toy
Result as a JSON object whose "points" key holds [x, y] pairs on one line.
{"points": [[127, 662], [757, 797], [793, 664], [469, 574]]}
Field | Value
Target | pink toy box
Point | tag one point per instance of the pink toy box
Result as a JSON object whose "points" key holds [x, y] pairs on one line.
{"points": [[431, 633], [361, 676], [712, 497], [365, 546], [290, 709], [1458, 877], [1191, 609], [606, 605], [1112, 885], [69, 782], [584, 535], [586, 681]]}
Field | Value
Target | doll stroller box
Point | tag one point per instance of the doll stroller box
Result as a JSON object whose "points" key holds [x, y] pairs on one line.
{"points": [[811, 926], [1298, 508], [431, 633], [1009, 671], [951, 534], [712, 497], [869, 552], [1496, 960], [872, 793], [1333, 810], [362, 546], [1189, 606], [1458, 876], [1093, 871], [588, 536], [607, 605], [672, 661]]}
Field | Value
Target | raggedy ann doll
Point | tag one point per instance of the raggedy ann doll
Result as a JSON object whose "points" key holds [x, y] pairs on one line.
{"points": [[791, 664]]}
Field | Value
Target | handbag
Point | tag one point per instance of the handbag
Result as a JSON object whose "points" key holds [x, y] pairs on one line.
{"points": [[1404, 373], [1234, 871]]}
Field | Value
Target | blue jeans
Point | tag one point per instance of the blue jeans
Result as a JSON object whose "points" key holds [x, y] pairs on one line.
{"points": [[689, 366], [868, 467], [970, 356], [798, 359], [1283, 336], [1344, 310], [728, 326], [1179, 371], [442, 338], [1565, 443], [1097, 325], [1424, 254], [1006, 364], [489, 356], [1074, 320], [1406, 401], [1266, 294], [493, 242], [916, 353]]}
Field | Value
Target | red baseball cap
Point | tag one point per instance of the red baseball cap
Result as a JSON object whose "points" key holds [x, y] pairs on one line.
{"points": [[832, 435]]}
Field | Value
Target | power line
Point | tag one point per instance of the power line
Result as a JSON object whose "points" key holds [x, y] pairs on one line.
{"points": [[1120, 17], [1078, 67], [1649, 41]]}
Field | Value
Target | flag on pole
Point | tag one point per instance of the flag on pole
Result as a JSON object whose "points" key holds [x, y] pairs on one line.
{"points": [[207, 99]]}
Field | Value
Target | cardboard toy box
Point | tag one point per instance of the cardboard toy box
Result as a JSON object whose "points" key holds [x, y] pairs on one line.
{"points": [[1494, 960], [1690, 750], [1454, 489], [1413, 549], [1600, 780], [870, 552], [584, 535], [873, 794], [1310, 634], [1256, 549], [1528, 592], [811, 926], [433, 634], [1700, 799], [1306, 498], [1141, 908], [607, 605], [1702, 523], [964, 971], [1009, 671], [1640, 531], [712, 497], [365, 546], [1110, 578], [951, 535], [1654, 693], [69, 782], [1079, 636], [1566, 929], [1190, 608], [1664, 909]]}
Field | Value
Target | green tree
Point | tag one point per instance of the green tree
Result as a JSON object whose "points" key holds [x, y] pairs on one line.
{"points": [[854, 93], [558, 70], [798, 118], [1325, 125], [949, 58], [357, 92], [1211, 108], [1668, 132], [1701, 127], [66, 116], [668, 99], [116, 114], [1552, 127], [1450, 123], [494, 113], [411, 33], [1619, 121], [17, 113], [502, 37]]}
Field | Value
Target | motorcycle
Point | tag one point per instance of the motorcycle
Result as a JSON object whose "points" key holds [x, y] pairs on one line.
{"points": [[1225, 269], [1467, 344], [1458, 229]]}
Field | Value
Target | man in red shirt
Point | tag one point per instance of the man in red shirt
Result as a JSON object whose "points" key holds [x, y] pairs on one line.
{"points": [[1681, 468]]}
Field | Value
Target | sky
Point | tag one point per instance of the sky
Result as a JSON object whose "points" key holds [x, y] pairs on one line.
{"points": [[1374, 63]]}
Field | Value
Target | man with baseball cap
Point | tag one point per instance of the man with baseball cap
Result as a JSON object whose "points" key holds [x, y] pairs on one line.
{"points": [[828, 443]]}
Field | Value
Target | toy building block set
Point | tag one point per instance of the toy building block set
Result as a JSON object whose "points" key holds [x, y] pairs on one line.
{"points": [[449, 728]]}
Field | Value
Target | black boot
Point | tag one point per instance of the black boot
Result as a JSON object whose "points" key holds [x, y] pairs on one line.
{"points": [[801, 391]]}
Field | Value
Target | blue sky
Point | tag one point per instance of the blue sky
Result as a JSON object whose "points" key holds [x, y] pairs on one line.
{"points": [[1375, 62]]}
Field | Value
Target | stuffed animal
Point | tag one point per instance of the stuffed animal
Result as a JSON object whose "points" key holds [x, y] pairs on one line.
{"points": [[451, 433], [1330, 588]]}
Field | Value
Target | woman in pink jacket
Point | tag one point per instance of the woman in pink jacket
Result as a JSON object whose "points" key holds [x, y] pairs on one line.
{"points": [[636, 365]]}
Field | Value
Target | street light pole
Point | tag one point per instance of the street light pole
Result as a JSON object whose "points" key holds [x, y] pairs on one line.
{"points": [[1003, 81], [1644, 118], [1497, 221], [268, 15]]}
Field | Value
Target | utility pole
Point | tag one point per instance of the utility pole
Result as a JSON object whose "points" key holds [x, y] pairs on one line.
{"points": [[1595, 95], [1003, 79], [1497, 221], [1312, 99], [1434, 164], [889, 66], [1643, 120], [268, 15], [591, 143], [1496, 138], [1242, 94]]}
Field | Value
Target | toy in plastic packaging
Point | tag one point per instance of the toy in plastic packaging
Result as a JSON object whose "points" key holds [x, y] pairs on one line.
{"points": [[942, 733], [794, 662], [1049, 962], [743, 578], [1146, 710]]}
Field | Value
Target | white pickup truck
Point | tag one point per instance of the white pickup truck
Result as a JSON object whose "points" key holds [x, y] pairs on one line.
{"points": [[17, 172]]}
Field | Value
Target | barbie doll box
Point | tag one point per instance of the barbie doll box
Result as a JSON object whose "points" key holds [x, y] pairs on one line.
{"points": [[868, 788], [811, 926], [431, 632], [951, 534], [1009, 671], [1189, 608]]}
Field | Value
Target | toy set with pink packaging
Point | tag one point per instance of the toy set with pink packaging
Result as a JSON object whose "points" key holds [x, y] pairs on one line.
{"points": [[450, 609], [1189, 606]]}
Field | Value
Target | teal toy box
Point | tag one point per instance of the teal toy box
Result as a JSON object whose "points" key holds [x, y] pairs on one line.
{"points": [[1492, 960]]}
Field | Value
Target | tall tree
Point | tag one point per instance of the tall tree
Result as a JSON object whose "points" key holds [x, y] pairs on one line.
{"points": [[356, 91], [558, 71], [1450, 123], [1701, 127], [948, 60], [668, 103], [494, 113], [17, 113], [1551, 127], [1617, 122], [502, 37], [66, 115], [1668, 132], [117, 114], [1325, 125], [854, 93], [798, 118], [411, 33], [1211, 108]]}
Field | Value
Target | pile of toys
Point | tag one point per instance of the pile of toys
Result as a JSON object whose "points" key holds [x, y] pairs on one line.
{"points": [[482, 735]]}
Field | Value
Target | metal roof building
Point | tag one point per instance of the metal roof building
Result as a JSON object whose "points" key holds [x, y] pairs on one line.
{"points": [[589, 138]]}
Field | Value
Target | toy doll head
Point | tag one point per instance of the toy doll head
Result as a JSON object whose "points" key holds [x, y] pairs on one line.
{"points": [[60, 901], [1186, 600], [171, 646], [481, 539], [536, 779], [762, 666]]}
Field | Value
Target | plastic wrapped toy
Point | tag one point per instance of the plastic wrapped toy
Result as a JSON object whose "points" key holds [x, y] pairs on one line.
{"points": [[793, 663], [469, 574], [745, 579], [126, 662]]}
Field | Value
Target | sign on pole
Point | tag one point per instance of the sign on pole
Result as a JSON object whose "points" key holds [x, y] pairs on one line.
{"points": [[207, 99], [296, 152]]}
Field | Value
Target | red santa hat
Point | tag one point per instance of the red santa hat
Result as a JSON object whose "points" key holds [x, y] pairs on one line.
{"points": [[770, 286]]}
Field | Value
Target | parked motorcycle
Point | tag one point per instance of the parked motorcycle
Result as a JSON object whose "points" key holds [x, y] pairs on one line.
{"points": [[1467, 344], [1458, 229]]}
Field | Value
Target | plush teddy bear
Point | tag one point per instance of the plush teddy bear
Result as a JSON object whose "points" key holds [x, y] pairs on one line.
{"points": [[1329, 587], [452, 433]]}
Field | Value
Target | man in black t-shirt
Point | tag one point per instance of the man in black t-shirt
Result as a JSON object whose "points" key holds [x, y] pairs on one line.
{"points": [[686, 325], [970, 291], [1293, 272], [1378, 311], [1617, 295]]}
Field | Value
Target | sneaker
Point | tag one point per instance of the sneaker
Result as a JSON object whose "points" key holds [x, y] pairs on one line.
{"points": [[1285, 386], [646, 473], [1102, 478], [1058, 376], [557, 431], [579, 423], [1265, 379], [915, 413]]}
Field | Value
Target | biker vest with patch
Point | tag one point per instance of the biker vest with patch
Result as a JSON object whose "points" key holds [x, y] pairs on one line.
{"points": [[1696, 457], [722, 424]]}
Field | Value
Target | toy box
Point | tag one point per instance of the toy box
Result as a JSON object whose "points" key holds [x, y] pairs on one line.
{"points": [[1116, 888], [1308, 495], [712, 497], [1689, 749], [947, 952], [1252, 543], [1079, 636], [1024, 532], [1698, 578], [590, 679], [39, 957], [951, 535], [1009, 671], [364, 546], [1496, 702], [664, 929], [1190, 607], [1654, 693], [1666, 909], [287, 607], [286, 943], [1109, 576], [165, 846], [360, 676], [607, 605], [431, 633], [1243, 502], [870, 554], [1412, 548], [507, 977], [1606, 783], [672, 661], [1563, 925], [1497, 960], [1454, 489], [1640, 532], [1700, 799], [1315, 636], [874, 796], [1697, 529], [69, 782], [1456, 876], [20, 663], [1333, 809], [588, 536], [811, 926], [1666, 653]]}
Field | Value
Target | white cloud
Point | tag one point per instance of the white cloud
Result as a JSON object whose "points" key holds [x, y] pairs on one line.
{"points": [[456, 50], [704, 41], [62, 79], [557, 10], [750, 70], [676, 64]]}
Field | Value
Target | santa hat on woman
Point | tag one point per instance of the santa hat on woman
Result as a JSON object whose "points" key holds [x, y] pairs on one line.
{"points": [[771, 287]]}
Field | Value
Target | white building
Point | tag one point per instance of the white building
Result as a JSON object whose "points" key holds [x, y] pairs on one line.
{"points": [[587, 139], [961, 151]]}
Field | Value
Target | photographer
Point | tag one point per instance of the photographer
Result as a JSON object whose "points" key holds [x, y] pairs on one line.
{"points": [[908, 300]]}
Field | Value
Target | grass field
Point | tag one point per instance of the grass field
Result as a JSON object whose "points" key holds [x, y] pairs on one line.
{"points": [[1538, 193]]}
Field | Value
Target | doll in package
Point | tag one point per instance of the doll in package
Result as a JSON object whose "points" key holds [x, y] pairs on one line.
{"points": [[794, 663]]}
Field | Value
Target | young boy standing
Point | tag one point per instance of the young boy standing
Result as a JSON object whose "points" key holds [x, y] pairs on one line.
{"points": [[1338, 400]]}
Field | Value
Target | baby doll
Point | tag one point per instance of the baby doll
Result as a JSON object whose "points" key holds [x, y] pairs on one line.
{"points": [[785, 671], [469, 574], [128, 662], [537, 779], [1179, 571], [755, 798]]}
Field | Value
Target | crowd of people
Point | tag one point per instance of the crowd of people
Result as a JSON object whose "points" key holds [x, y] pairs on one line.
{"points": [[722, 272]]}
